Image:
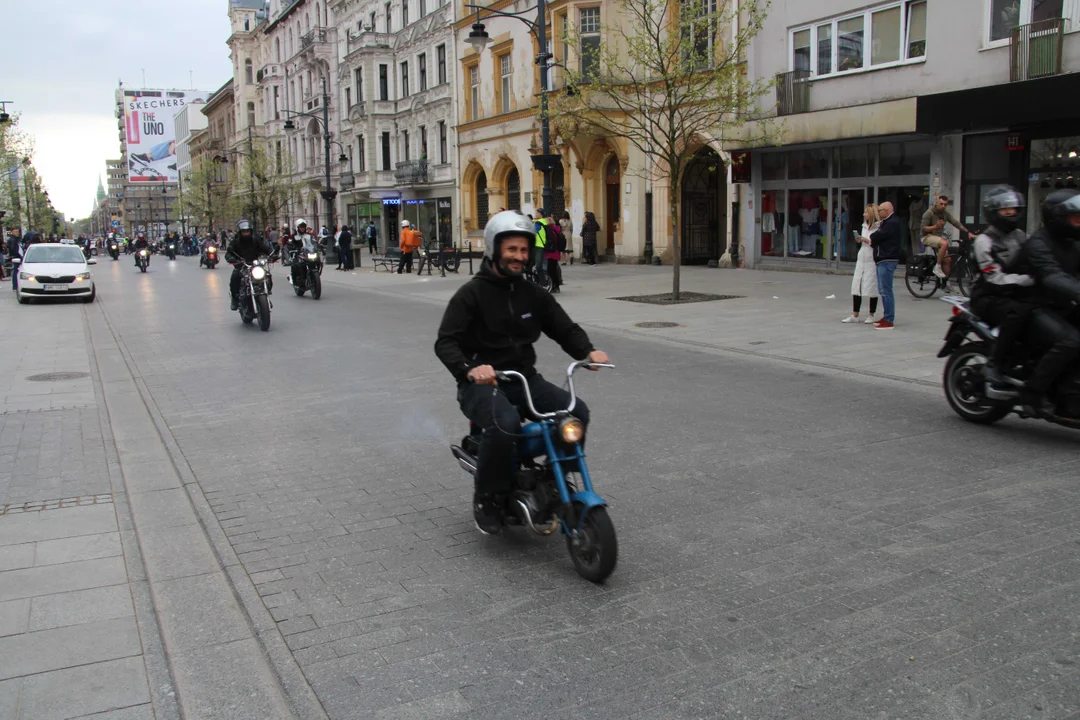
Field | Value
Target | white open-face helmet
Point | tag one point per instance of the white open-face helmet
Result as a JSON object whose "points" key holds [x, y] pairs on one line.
{"points": [[301, 223], [503, 224], [404, 223]]}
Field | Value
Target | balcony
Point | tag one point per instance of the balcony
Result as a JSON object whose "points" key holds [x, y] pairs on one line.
{"points": [[317, 44], [792, 92], [318, 35], [1035, 50], [271, 70], [411, 172], [370, 40]]}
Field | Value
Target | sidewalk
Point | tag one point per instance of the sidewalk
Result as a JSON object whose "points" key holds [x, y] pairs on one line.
{"points": [[785, 316]]}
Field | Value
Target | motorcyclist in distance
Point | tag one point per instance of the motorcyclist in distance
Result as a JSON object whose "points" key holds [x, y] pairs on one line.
{"points": [[245, 247], [490, 325], [140, 244], [1053, 255]]}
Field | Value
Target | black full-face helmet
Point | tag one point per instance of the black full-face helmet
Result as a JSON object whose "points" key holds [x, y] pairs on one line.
{"points": [[1000, 198], [1061, 214]]}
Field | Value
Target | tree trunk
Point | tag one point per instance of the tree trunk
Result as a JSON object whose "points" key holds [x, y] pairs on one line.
{"points": [[676, 244]]}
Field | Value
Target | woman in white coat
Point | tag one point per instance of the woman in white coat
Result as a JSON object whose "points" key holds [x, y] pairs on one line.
{"points": [[864, 284]]}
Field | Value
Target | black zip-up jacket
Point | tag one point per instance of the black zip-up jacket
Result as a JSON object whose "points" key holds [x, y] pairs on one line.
{"points": [[1055, 263], [886, 240], [494, 320], [248, 250]]}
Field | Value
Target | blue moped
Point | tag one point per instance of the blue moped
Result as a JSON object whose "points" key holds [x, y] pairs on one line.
{"points": [[552, 490]]}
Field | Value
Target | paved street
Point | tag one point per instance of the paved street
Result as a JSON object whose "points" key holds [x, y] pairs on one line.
{"points": [[806, 530]]}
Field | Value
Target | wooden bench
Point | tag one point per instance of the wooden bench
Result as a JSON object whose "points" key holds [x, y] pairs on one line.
{"points": [[389, 261]]}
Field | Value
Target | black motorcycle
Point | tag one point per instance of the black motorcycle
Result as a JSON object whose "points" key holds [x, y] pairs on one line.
{"points": [[307, 267], [170, 250], [209, 257], [969, 342], [255, 285], [142, 259], [114, 251]]}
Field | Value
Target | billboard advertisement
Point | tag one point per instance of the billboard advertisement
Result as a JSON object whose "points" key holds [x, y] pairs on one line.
{"points": [[151, 137]]}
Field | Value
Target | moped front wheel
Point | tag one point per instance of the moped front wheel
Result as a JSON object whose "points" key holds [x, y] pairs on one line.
{"points": [[594, 549]]}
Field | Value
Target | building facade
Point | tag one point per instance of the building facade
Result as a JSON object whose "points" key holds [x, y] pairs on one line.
{"points": [[396, 82], [907, 101]]}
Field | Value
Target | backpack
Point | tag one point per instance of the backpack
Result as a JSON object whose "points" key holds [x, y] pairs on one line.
{"points": [[371, 232]]}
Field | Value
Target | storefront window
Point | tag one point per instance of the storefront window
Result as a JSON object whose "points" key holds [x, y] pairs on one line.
{"points": [[446, 225], [905, 158], [848, 206], [807, 223], [773, 223], [808, 164], [850, 161], [773, 166], [909, 204], [1054, 165]]}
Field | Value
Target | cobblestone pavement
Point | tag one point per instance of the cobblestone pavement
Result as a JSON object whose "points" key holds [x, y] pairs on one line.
{"points": [[795, 542]]}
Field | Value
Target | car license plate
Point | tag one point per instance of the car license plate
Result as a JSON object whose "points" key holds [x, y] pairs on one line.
{"points": [[55, 288]]}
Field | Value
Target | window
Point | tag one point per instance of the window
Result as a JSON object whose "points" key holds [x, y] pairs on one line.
{"points": [[384, 82], [405, 79], [513, 190], [701, 33], [481, 200], [423, 8], [277, 156], [371, 21], [358, 76], [879, 37], [590, 42], [505, 81], [422, 69], [423, 142], [251, 114], [248, 79], [348, 98], [277, 113], [386, 151], [564, 39], [277, 49], [442, 141], [387, 8], [474, 92], [1007, 14], [405, 144], [361, 165], [404, 13], [440, 58]]}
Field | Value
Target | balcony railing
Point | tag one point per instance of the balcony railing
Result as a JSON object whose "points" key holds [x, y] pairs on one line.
{"points": [[318, 35], [411, 172], [1035, 49], [792, 92], [370, 39]]}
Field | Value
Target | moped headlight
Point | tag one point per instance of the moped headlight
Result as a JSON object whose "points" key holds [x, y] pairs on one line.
{"points": [[313, 256], [571, 430], [258, 273]]}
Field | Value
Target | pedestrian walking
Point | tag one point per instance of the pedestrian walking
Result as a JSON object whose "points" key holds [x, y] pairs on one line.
{"points": [[886, 243], [864, 284], [345, 245], [589, 229], [372, 237], [409, 242], [567, 226]]}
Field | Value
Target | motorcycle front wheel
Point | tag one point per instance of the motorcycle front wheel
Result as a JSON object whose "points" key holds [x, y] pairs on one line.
{"points": [[142, 268], [263, 304], [594, 550], [316, 287], [964, 380]]}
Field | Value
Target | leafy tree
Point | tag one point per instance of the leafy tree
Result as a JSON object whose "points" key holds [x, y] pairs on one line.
{"points": [[668, 75], [202, 197], [263, 189]]}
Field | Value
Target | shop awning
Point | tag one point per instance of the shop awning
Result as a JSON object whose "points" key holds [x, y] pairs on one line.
{"points": [[1009, 106]]}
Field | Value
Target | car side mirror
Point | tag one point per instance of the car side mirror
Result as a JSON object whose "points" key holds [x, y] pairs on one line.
{"points": [[16, 261], [91, 261]]}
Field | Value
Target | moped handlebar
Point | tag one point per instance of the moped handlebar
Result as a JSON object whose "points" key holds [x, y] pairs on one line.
{"points": [[574, 367]]}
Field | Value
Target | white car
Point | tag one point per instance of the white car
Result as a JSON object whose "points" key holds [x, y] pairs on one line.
{"points": [[54, 270]]}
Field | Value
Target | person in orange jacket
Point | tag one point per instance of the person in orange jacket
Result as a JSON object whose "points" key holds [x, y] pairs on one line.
{"points": [[410, 240]]}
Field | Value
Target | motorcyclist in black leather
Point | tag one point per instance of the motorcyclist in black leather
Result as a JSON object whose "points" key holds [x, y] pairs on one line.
{"points": [[1053, 255], [140, 244], [491, 324], [246, 247]]}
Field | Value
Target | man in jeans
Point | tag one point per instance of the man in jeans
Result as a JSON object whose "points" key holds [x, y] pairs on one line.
{"points": [[933, 226], [886, 243]]}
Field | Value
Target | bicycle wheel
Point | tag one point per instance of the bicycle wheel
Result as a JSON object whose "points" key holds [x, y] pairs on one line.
{"points": [[965, 277], [921, 282]]}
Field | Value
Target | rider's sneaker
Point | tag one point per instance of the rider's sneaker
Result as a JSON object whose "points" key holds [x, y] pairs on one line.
{"points": [[486, 515], [939, 271], [1037, 404], [234, 304]]}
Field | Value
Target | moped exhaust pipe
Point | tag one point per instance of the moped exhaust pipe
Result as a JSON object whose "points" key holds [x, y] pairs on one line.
{"points": [[465, 460]]}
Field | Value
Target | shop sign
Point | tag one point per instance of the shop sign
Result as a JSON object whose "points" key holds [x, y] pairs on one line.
{"points": [[391, 201], [1014, 143], [740, 167]]}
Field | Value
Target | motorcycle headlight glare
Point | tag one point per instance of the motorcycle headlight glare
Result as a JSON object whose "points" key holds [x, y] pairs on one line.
{"points": [[571, 430], [258, 273], [143, 253], [313, 256], [211, 250], [172, 247]]}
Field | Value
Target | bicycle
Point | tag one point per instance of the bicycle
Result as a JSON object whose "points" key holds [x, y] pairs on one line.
{"points": [[923, 283]]}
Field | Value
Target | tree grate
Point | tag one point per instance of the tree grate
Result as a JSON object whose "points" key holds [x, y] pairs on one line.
{"points": [[684, 297], [53, 377], [656, 324], [39, 505]]}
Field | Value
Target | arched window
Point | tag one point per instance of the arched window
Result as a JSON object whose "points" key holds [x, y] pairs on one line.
{"points": [[251, 114], [513, 190], [481, 200], [248, 72]]}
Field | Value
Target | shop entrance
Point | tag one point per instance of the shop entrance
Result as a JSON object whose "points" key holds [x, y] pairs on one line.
{"points": [[611, 203], [703, 220], [393, 230]]}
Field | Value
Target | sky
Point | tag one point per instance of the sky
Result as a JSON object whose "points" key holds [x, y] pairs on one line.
{"points": [[62, 62]]}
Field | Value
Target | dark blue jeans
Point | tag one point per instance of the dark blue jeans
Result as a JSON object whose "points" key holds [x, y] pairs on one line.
{"points": [[886, 270]]}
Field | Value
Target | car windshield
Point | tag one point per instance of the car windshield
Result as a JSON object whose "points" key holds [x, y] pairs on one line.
{"points": [[41, 254]]}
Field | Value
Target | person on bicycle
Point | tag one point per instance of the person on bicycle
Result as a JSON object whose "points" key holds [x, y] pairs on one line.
{"points": [[1002, 296], [491, 325], [934, 235]]}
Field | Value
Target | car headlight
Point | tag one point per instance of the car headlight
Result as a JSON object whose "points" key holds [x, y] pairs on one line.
{"points": [[82, 276], [571, 430], [313, 256], [258, 273], [26, 276]]}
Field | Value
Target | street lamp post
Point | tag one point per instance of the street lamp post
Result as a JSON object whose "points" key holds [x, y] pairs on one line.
{"points": [[164, 209], [478, 38], [250, 155]]}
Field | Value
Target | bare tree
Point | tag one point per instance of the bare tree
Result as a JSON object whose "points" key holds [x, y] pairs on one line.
{"points": [[667, 75], [203, 197]]}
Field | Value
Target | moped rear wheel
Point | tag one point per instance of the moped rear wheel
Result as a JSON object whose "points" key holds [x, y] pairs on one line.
{"points": [[595, 549]]}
